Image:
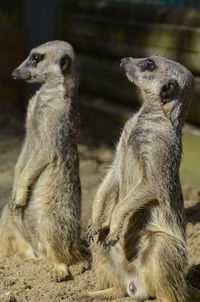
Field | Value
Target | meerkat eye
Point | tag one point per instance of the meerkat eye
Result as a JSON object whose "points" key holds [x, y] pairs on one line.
{"points": [[150, 65], [147, 65], [36, 57]]}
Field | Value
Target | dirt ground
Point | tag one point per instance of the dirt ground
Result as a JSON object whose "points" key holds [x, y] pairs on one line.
{"points": [[30, 280]]}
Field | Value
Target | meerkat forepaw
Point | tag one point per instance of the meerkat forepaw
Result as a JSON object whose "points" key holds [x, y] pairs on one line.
{"points": [[110, 241], [91, 235], [15, 207], [18, 200], [93, 230]]}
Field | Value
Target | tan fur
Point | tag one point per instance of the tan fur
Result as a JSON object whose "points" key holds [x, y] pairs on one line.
{"points": [[138, 228], [43, 218]]}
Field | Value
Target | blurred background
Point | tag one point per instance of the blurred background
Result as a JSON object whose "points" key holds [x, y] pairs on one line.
{"points": [[102, 32]]}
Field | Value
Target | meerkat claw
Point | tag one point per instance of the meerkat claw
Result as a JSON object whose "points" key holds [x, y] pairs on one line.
{"points": [[109, 242], [93, 231], [15, 207], [91, 235]]}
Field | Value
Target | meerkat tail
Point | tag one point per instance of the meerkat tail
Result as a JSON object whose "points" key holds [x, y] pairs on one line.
{"points": [[112, 292], [13, 243]]}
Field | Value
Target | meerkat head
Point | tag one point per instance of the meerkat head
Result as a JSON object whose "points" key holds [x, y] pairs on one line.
{"points": [[161, 80], [50, 60]]}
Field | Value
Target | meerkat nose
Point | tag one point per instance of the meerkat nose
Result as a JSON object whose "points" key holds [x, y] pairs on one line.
{"points": [[123, 62], [132, 287], [20, 75]]}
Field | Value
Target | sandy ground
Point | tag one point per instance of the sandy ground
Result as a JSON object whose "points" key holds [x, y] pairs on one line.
{"points": [[22, 281]]}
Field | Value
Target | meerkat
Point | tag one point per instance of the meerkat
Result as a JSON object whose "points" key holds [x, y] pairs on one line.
{"points": [[43, 218], [138, 228]]}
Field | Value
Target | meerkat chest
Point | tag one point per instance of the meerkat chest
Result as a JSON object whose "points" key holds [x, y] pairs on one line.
{"points": [[144, 146], [42, 112], [35, 117], [129, 167]]}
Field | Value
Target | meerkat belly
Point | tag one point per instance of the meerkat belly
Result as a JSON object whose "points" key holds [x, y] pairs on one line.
{"points": [[49, 190], [38, 200], [52, 186]]}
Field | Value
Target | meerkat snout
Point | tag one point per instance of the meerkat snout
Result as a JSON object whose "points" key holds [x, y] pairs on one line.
{"points": [[123, 62], [14, 74], [128, 65], [17, 75]]}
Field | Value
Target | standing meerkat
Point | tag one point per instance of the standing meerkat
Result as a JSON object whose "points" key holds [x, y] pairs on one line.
{"points": [[43, 218], [138, 229]]}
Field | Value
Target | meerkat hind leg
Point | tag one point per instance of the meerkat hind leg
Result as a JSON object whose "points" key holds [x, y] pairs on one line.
{"points": [[169, 282], [61, 272]]}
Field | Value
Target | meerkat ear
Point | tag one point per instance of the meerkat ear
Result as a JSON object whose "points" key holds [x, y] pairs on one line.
{"points": [[169, 90], [65, 63]]}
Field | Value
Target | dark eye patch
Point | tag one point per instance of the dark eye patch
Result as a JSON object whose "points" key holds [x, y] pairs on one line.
{"points": [[35, 58], [147, 65]]}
